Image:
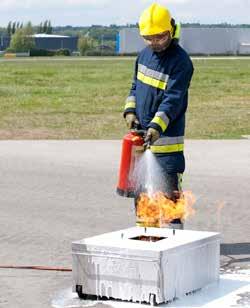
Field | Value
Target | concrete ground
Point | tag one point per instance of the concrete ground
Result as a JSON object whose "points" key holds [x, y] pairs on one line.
{"points": [[54, 192]]}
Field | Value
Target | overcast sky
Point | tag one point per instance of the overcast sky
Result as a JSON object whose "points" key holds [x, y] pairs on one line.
{"points": [[105, 12]]}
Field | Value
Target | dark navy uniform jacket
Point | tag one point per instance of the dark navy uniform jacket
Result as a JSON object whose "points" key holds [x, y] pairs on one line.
{"points": [[159, 98]]}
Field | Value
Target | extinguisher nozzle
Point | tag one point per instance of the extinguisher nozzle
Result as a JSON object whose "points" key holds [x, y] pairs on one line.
{"points": [[139, 149], [146, 145]]}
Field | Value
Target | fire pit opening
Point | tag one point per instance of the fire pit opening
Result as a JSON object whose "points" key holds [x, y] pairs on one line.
{"points": [[148, 238]]}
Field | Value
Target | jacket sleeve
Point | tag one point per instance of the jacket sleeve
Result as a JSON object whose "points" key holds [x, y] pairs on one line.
{"points": [[130, 103], [172, 102]]}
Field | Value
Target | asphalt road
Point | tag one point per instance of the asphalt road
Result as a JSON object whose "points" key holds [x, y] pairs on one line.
{"points": [[54, 192]]}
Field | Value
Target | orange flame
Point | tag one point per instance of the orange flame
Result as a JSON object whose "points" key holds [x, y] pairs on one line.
{"points": [[156, 210]]}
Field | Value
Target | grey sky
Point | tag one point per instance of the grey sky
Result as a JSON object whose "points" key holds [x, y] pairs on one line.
{"points": [[105, 12]]}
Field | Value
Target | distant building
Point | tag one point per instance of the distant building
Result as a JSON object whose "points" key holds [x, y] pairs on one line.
{"points": [[47, 41], [105, 47], [55, 42], [196, 41], [4, 42], [129, 41]]}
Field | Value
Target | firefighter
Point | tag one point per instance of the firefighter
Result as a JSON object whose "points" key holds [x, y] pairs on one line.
{"points": [[158, 97]]}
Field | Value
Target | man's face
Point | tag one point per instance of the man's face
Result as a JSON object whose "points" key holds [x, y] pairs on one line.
{"points": [[158, 42]]}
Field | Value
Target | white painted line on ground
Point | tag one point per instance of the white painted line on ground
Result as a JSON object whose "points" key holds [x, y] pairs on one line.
{"points": [[221, 58]]}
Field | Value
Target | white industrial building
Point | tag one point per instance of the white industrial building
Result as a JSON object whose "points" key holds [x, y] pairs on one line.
{"points": [[196, 41]]}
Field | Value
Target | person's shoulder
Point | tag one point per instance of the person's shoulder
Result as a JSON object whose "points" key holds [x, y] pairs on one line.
{"points": [[182, 56], [181, 52]]}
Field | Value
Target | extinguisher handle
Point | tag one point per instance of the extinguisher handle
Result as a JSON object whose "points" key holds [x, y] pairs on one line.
{"points": [[136, 126]]}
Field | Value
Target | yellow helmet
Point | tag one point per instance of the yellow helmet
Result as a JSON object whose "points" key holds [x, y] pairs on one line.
{"points": [[154, 20]]}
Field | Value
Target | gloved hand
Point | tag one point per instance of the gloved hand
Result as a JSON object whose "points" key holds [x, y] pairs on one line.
{"points": [[131, 119], [152, 135]]}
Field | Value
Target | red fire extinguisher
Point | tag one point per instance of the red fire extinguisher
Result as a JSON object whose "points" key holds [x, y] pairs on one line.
{"points": [[132, 147]]}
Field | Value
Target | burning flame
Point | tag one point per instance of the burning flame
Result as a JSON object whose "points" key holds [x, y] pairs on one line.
{"points": [[156, 209]]}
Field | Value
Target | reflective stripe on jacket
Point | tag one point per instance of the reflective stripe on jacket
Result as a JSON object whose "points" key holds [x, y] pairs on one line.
{"points": [[159, 95]]}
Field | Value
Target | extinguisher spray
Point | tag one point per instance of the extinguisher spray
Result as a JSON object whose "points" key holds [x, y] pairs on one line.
{"points": [[132, 148]]}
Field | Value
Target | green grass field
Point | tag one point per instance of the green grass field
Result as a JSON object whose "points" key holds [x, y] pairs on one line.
{"points": [[84, 99]]}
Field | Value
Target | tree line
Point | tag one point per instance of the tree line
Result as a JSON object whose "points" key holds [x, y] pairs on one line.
{"points": [[43, 27], [22, 39], [98, 32], [95, 38]]}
